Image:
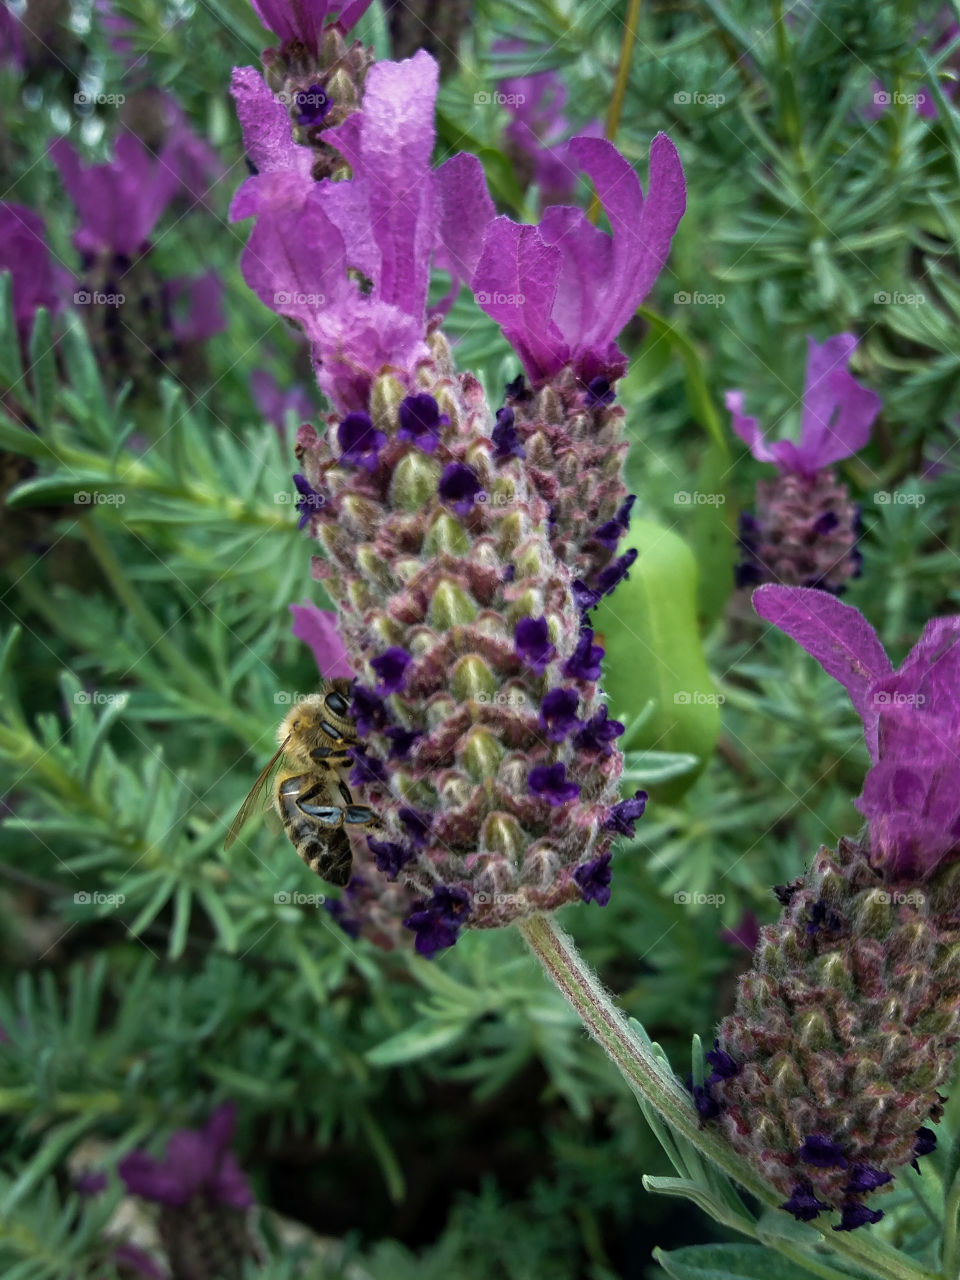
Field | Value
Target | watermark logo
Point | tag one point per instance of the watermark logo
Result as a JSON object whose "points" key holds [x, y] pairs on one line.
{"points": [[500, 899], [694, 698], [97, 699], [299, 899], [684, 899], [511, 698], [83, 99], [307, 501], [284, 298], [898, 299], [895, 699], [496, 99], [697, 299], [694, 98], [896, 899], [84, 498], [500, 299], [94, 298], [684, 498], [882, 98], [83, 898], [893, 498]]}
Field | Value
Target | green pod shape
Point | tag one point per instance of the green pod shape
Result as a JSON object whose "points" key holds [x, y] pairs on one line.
{"points": [[654, 655]]}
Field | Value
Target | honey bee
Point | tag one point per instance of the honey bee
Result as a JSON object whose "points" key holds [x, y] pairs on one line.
{"points": [[309, 793]]}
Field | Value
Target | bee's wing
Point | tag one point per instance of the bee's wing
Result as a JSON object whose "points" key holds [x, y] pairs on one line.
{"points": [[255, 798]]}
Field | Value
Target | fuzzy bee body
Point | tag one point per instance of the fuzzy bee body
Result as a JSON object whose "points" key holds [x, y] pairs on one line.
{"points": [[313, 801]]}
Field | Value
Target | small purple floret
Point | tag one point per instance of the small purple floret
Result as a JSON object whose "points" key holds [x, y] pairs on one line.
{"points": [[822, 1152], [594, 880], [401, 740], [437, 922], [803, 1204], [599, 391], [584, 662], [598, 733], [708, 1108], [532, 640], [367, 769], [925, 1143], [506, 440], [585, 597], [420, 422], [389, 856], [367, 710], [391, 670], [549, 782], [724, 1067], [459, 487], [853, 1215], [417, 823], [308, 502], [609, 579], [558, 714], [314, 105], [863, 1177], [623, 815], [360, 442]]}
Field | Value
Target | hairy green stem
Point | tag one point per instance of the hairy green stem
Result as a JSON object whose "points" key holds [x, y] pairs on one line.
{"points": [[653, 1082]]}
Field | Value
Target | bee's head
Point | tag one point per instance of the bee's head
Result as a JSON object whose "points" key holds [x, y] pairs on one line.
{"points": [[322, 719]]}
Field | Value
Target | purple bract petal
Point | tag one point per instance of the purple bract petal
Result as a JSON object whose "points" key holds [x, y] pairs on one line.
{"points": [[837, 413], [584, 662], [318, 628]]}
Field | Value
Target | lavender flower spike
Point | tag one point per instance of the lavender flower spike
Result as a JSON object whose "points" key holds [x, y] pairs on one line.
{"points": [[805, 528], [837, 413], [911, 720], [203, 1198]]}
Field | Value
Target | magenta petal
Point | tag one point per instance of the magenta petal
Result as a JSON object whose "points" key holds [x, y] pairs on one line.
{"points": [[398, 135], [837, 411], [910, 798], [929, 678], [516, 284], [265, 122], [465, 210], [230, 1185], [24, 253], [642, 227], [748, 429], [152, 1180], [838, 636], [351, 13], [204, 297], [191, 1157], [319, 629]]}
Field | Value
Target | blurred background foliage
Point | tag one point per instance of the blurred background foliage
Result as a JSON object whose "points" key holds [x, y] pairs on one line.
{"points": [[400, 1118]]}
